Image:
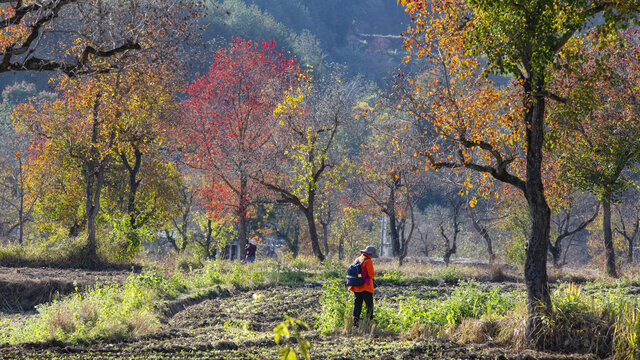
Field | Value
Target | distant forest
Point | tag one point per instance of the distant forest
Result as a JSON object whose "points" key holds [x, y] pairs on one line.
{"points": [[314, 31]]}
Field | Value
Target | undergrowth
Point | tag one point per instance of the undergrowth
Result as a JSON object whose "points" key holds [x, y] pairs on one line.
{"points": [[605, 323], [401, 313], [106, 311], [113, 311]]}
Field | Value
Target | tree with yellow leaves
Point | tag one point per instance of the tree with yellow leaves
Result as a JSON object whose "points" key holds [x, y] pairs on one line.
{"points": [[497, 131], [96, 122]]}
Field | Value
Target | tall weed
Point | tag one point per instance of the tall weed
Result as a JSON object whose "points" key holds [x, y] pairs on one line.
{"points": [[399, 314], [106, 311]]}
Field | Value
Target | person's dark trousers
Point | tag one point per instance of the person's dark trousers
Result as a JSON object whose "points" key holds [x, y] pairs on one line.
{"points": [[367, 297]]}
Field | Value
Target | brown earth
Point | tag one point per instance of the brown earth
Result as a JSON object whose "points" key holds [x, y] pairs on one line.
{"points": [[22, 288], [238, 325]]}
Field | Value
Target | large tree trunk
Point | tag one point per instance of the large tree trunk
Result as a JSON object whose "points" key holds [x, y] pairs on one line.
{"points": [[535, 268], [95, 181], [95, 167], [311, 222], [134, 184], [242, 217], [313, 233], [608, 236]]}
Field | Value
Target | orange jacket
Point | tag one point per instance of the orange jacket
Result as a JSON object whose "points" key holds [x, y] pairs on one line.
{"points": [[367, 273]]}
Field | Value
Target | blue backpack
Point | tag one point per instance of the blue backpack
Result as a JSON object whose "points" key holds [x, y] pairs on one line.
{"points": [[354, 274]]}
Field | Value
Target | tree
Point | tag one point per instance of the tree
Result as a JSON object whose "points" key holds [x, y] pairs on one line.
{"points": [[217, 235], [600, 119], [92, 123], [628, 224], [306, 162], [229, 122], [479, 123], [285, 222], [482, 229], [17, 200], [451, 241], [80, 36], [568, 223], [388, 177]]}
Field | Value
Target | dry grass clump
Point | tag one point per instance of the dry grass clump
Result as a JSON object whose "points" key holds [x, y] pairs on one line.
{"points": [[578, 333], [475, 331], [414, 268], [605, 324], [61, 321]]}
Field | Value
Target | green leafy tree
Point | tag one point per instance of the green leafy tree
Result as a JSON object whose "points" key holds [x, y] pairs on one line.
{"points": [[595, 136], [80, 137]]}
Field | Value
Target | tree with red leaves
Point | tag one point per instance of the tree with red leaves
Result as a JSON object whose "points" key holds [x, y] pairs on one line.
{"points": [[228, 122]]}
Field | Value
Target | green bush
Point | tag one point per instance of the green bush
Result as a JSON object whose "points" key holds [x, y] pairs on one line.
{"points": [[589, 317], [289, 276], [336, 302], [64, 252], [392, 276], [332, 270]]}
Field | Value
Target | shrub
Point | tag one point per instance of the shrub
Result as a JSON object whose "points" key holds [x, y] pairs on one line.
{"points": [[336, 303], [400, 313], [289, 276], [392, 276], [332, 270]]}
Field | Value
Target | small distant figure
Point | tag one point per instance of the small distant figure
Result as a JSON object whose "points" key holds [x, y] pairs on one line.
{"points": [[363, 292], [251, 250]]}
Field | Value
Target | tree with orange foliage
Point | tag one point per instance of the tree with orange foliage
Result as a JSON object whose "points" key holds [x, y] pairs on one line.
{"points": [[97, 121], [477, 125], [389, 177]]}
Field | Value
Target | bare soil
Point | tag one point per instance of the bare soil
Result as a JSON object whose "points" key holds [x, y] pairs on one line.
{"points": [[236, 325], [22, 288]]}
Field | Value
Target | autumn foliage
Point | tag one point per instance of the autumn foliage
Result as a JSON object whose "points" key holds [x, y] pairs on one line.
{"points": [[228, 123]]}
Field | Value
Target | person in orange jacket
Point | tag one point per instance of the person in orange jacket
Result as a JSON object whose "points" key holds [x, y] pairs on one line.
{"points": [[364, 292]]}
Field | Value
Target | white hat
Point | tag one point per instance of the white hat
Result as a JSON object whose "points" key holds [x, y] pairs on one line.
{"points": [[253, 242]]}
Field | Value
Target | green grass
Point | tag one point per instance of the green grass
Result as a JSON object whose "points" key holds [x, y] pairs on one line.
{"points": [[400, 313], [332, 270], [106, 311], [447, 275], [117, 311], [604, 321], [66, 253]]}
